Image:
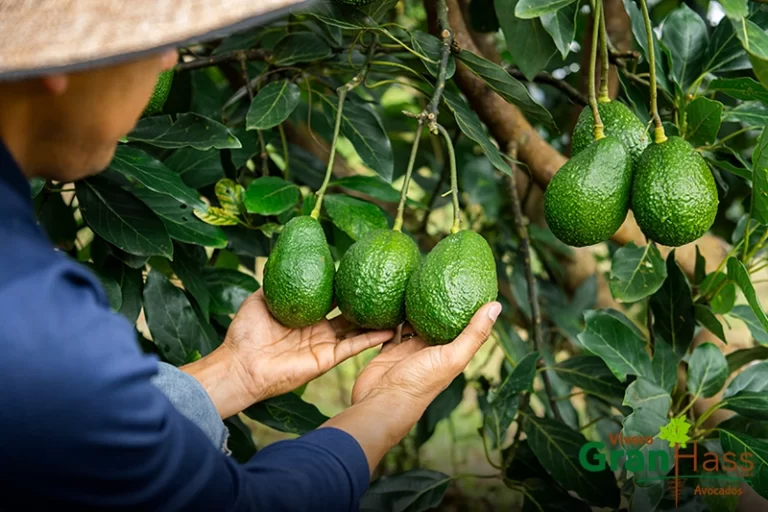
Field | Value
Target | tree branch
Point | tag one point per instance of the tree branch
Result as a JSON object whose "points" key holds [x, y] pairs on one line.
{"points": [[220, 58], [546, 78]]}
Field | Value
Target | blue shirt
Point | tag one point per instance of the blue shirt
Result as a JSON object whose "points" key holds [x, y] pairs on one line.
{"points": [[81, 423]]}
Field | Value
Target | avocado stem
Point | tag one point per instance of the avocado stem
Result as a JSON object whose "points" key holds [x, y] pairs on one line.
{"points": [[456, 227], [658, 133], [598, 122], [398, 226], [603, 96]]}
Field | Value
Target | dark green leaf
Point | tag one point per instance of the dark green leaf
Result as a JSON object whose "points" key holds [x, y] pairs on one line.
{"points": [[228, 289], [271, 195], [272, 105], [751, 113], [739, 358], [759, 209], [739, 171], [704, 117], [709, 321], [620, 346], [416, 490], [638, 30], [440, 408], [287, 413], [725, 296], [557, 447], [724, 52], [507, 87], [111, 289], [187, 264], [561, 25], [754, 379], [240, 440], [636, 272], [755, 42], [189, 130], [196, 168], [121, 219], [529, 9], [707, 371], [371, 186], [339, 15], [700, 268], [300, 47], [756, 328], [353, 216], [35, 186], [755, 450], [739, 274], [590, 374], [664, 364], [673, 312], [58, 221], [131, 285], [744, 88], [686, 37], [432, 47], [740, 424], [752, 404], [530, 45], [173, 323]]}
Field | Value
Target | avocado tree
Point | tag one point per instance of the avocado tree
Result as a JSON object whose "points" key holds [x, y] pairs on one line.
{"points": [[613, 364]]}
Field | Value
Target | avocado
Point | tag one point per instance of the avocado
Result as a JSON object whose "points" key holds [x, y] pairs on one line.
{"points": [[618, 121], [298, 276], [453, 281], [588, 198], [674, 197], [160, 93], [371, 279]]}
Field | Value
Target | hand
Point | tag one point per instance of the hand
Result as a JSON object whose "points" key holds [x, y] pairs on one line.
{"points": [[261, 358]]}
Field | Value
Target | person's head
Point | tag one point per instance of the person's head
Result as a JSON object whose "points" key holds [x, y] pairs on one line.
{"points": [[66, 126]]}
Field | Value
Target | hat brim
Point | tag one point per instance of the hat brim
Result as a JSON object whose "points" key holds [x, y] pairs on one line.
{"points": [[83, 60]]}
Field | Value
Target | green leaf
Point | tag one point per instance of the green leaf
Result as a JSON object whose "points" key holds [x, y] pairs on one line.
{"points": [[673, 312], [110, 287], [561, 25], [362, 126], [502, 404], [196, 168], [131, 285], [353, 216], [707, 371], [300, 47], [664, 364], [272, 105], [759, 209], [739, 358], [121, 219], [440, 408], [753, 379], [557, 447], [271, 195], [174, 325], [529, 9], [137, 165], [755, 42], [240, 440], [739, 274], [36, 186], [58, 221], [216, 216], [725, 52], [751, 113], [740, 424], [231, 196], [228, 288], [609, 337], [636, 272], [735, 9], [704, 117], [432, 47], [287, 413], [180, 221], [638, 30], [709, 321], [752, 404], [756, 450], [590, 374], [416, 490], [336, 14], [725, 298], [686, 37], [372, 186], [189, 130], [530, 45], [744, 88], [644, 394], [507, 87], [755, 326], [187, 264]]}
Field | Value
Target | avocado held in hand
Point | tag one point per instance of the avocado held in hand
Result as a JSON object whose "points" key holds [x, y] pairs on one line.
{"points": [[618, 121], [674, 197], [588, 199], [372, 276], [455, 279], [298, 276]]}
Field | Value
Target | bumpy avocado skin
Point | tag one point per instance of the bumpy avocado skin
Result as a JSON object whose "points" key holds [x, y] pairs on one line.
{"points": [[588, 198], [618, 121], [455, 279], [160, 94], [298, 276], [372, 276], [674, 197]]}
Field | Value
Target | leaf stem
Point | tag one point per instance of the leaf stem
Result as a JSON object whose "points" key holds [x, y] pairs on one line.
{"points": [[658, 134], [286, 156], [709, 412], [598, 122], [454, 179], [398, 226], [605, 62]]}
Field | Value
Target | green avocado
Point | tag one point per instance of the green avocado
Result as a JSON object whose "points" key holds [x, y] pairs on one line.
{"points": [[453, 281], [674, 197], [372, 276], [588, 198], [618, 121], [160, 94], [298, 276]]}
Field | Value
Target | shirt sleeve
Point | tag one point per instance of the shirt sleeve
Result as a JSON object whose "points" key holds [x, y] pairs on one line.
{"points": [[81, 423]]}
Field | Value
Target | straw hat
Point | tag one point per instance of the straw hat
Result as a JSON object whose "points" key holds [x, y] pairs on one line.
{"points": [[44, 36]]}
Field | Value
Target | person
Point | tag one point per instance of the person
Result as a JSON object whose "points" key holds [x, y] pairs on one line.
{"points": [[87, 419]]}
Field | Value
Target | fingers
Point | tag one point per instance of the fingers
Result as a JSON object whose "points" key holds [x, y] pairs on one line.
{"points": [[341, 326], [353, 346], [463, 348]]}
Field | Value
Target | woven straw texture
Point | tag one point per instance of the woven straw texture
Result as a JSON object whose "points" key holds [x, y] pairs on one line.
{"points": [[46, 35]]}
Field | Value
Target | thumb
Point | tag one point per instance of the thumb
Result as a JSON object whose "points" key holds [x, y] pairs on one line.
{"points": [[466, 345]]}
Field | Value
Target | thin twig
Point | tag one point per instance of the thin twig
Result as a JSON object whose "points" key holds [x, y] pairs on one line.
{"points": [[214, 60], [446, 36], [545, 78]]}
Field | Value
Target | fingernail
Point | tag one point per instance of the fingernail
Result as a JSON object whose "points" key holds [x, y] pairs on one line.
{"points": [[494, 310]]}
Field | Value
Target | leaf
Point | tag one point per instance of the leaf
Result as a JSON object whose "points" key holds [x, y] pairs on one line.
{"points": [[759, 209], [755, 42], [353, 216], [739, 274], [432, 47], [707, 371], [686, 37], [240, 440], [753, 379], [287, 413], [216, 216], [741, 357], [557, 447], [755, 450], [271, 195], [590, 374], [620, 346], [756, 328], [638, 30], [644, 394], [416, 490], [189, 130], [111, 289], [180, 221], [440, 408], [636, 272], [362, 126], [35, 186], [735, 9], [121, 219], [664, 364], [230, 196], [228, 288], [673, 312], [561, 25], [751, 113], [709, 321], [752, 404], [196, 168], [272, 105], [529, 9], [506, 86], [744, 88], [58, 221], [725, 298], [530, 45], [704, 117], [174, 325], [724, 52], [131, 285], [300, 47], [338, 15], [372, 186], [187, 264]]}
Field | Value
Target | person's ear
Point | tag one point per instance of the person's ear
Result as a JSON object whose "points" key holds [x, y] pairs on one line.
{"points": [[55, 84]]}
